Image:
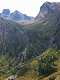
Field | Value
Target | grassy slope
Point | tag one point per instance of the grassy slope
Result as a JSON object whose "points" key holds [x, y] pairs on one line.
{"points": [[32, 75]]}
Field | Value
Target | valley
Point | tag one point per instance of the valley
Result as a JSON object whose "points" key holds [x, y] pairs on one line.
{"points": [[31, 50]]}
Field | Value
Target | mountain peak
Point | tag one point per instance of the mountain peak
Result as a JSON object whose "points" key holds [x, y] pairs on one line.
{"points": [[17, 12], [5, 12], [15, 16], [48, 8]]}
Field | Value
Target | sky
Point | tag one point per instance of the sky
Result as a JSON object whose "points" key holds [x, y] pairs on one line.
{"points": [[29, 7]]}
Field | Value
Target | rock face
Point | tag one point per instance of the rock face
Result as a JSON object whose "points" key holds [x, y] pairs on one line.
{"points": [[12, 77], [12, 35], [47, 9]]}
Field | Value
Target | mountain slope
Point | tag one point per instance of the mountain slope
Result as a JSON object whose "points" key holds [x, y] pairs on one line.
{"points": [[50, 58], [17, 16], [48, 9], [20, 45], [36, 38]]}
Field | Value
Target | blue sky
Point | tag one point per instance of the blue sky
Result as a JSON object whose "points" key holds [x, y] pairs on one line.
{"points": [[29, 7]]}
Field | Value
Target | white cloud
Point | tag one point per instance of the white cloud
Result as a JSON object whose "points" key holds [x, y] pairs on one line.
{"points": [[29, 7]]}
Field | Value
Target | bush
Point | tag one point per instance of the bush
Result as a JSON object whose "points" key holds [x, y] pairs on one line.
{"points": [[47, 62]]}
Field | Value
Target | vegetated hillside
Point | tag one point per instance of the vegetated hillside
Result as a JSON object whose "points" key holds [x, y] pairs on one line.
{"points": [[44, 67], [21, 45], [13, 41]]}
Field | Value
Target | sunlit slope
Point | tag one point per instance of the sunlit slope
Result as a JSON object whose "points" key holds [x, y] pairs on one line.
{"points": [[50, 59]]}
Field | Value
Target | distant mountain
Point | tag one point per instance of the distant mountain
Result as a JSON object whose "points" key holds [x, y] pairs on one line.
{"points": [[5, 13], [15, 16]]}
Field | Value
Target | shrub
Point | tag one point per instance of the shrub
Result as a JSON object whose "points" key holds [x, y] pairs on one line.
{"points": [[47, 62]]}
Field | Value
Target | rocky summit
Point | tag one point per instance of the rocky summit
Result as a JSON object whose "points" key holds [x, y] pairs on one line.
{"points": [[48, 9]]}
